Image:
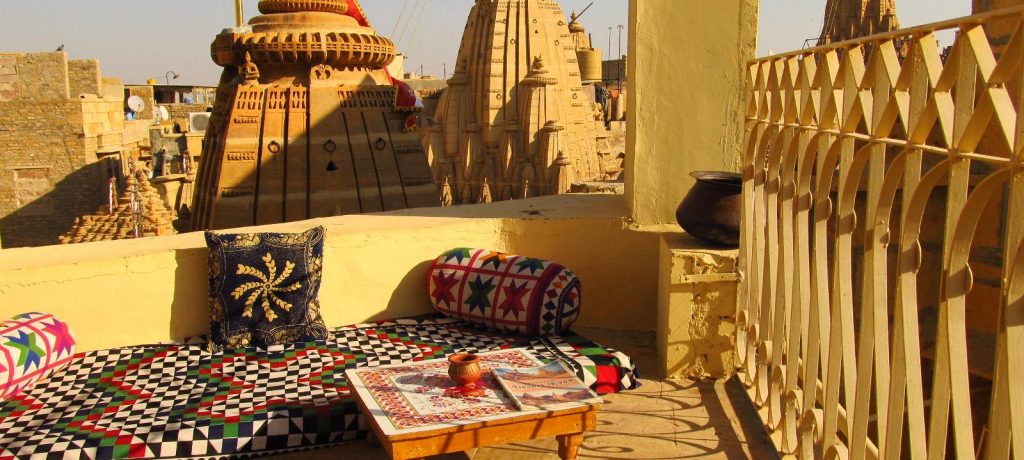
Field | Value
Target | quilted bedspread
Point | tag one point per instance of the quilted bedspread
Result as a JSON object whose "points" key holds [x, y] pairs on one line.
{"points": [[179, 400]]}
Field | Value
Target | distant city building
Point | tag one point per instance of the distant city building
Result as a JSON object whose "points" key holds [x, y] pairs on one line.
{"points": [[424, 84], [140, 211], [397, 66], [849, 19], [614, 72], [999, 32], [64, 135], [184, 94]]}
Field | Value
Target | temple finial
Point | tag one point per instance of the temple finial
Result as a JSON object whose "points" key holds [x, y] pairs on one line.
{"points": [[239, 14]]}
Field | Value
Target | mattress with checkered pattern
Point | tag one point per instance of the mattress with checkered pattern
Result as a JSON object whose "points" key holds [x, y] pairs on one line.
{"points": [[181, 401]]}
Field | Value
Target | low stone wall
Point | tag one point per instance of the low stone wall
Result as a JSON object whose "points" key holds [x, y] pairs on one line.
{"points": [[150, 290]]}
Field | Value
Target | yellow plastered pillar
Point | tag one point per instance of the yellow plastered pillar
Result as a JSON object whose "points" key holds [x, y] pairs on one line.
{"points": [[687, 67]]}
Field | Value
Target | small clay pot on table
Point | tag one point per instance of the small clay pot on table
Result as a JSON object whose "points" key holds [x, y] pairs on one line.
{"points": [[464, 369]]}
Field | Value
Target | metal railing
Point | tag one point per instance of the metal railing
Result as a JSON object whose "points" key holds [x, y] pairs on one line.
{"points": [[883, 186]]}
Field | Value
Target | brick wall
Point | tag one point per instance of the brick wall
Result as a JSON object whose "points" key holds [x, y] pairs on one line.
{"points": [[48, 169], [41, 76], [84, 77], [44, 179], [112, 87], [182, 110]]}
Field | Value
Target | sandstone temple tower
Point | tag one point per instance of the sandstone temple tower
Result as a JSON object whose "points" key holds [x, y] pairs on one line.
{"points": [[308, 123], [515, 120], [848, 19]]}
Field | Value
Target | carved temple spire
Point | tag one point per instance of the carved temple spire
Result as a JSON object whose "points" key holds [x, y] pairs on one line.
{"points": [[849, 19], [509, 82]]}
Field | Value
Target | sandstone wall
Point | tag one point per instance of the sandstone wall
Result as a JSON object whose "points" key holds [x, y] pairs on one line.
{"points": [[49, 144], [35, 77], [146, 93], [84, 77], [181, 111], [44, 181]]}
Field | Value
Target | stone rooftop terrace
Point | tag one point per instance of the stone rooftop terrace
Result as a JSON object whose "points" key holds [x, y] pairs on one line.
{"points": [[670, 419]]}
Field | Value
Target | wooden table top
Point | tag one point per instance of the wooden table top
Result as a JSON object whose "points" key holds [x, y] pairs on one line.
{"points": [[406, 407]]}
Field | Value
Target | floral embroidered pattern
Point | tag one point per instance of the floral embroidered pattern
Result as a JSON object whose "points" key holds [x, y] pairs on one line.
{"points": [[263, 289], [266, 287]]}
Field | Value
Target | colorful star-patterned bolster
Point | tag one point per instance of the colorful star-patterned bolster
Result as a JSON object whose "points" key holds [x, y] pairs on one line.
{"points": [[504, 292], [32, 347]]}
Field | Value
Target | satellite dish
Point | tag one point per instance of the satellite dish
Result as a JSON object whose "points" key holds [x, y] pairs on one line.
{"points": [[136, 104]]}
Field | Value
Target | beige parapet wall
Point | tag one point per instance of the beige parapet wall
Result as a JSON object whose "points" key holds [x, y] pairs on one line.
{"points": [[155, 289]]}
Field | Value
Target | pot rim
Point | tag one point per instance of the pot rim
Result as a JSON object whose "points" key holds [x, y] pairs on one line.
{"points": [[464, 358], [719, 178]]}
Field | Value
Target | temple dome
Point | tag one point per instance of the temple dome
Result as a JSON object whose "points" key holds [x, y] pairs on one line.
{"points": [[304, 31]]}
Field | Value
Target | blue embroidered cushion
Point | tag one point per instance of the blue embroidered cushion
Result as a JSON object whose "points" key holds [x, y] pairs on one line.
{"points": [[504, 292], [263, 288]]}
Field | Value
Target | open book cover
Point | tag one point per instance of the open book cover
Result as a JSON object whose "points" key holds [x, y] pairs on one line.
{"points": [[545, 387]]}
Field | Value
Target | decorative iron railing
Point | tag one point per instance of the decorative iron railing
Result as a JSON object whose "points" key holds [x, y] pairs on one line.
{"points": [[882, 308]]}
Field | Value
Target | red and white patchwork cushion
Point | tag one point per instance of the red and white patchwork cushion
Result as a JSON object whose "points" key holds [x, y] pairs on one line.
{"points": [[505, 292], [32, 347]]}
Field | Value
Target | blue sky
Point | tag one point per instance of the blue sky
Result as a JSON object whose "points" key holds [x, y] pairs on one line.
{"points": [[140, 39]]}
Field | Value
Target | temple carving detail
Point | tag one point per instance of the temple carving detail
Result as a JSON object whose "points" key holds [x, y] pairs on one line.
{"points": [[849, 19], [308, 123], [516, 120]]}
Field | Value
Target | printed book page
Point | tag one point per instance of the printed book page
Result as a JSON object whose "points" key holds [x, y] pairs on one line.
{"points": [[544, 388], [411, 397]]}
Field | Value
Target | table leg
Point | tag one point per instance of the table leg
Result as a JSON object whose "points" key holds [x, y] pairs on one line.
{"points": [[569, 445]]}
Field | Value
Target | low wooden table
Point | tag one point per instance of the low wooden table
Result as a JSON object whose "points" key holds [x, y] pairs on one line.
{"points": [[406, 407]]}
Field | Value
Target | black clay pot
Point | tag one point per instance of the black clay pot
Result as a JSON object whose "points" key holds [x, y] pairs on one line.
{"points": [[711, 211]]}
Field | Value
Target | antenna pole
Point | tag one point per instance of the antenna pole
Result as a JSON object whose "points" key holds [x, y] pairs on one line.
{"points": [[239, 14], [585, 10]]}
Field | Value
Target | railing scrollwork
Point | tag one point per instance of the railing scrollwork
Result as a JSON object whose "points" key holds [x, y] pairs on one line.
{"points": [[882, 244]]}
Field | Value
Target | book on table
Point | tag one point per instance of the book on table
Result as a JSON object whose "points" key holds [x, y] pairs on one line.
{"points": [[548, 387]]}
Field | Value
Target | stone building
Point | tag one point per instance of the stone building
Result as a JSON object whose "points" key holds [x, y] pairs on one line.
{"points": [[515, 120], [63, 136], [1000, 31], [140, 211], [848, 19], [306, 122]]}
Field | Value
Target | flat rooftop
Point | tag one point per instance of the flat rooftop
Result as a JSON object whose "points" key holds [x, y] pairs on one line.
{"points": [[660, 420]]}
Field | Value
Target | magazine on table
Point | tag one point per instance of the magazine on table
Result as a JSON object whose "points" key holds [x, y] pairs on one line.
{"points": [[545, 387]]}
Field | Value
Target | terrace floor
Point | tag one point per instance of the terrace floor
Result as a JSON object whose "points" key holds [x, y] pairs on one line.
{"points": [[660, 420]]}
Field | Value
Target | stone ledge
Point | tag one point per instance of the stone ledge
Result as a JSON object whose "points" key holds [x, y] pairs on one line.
{"points": [[148, 290], [697, 295]]}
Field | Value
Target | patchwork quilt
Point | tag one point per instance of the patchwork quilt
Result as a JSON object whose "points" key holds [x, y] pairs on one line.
{"points": [[181, 401]]}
